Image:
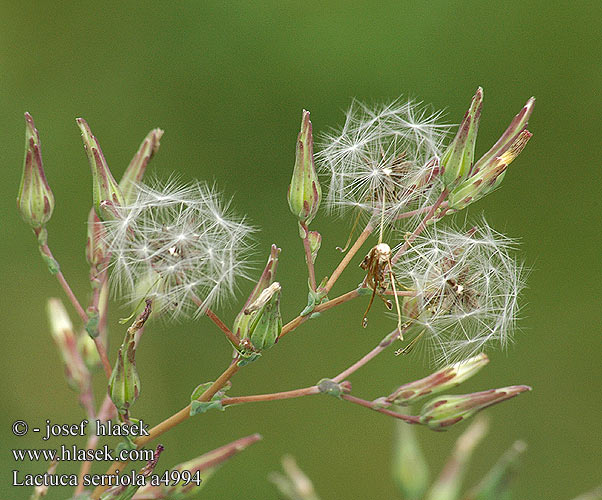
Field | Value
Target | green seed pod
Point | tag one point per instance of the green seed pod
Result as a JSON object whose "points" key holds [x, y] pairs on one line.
{"points": [[105, 189], [266, 322], [444, 411], [304, 193], [446, 378], [488, 176], [243, 319], [124, 383], [76, 372], [458, 157], [518, 125], [35, 200]]}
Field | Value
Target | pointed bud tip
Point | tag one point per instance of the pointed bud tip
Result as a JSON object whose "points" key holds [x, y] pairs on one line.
{"points": [[306, 131], [29, 120]]}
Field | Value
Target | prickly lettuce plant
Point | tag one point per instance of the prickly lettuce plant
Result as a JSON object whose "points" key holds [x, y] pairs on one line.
{"points": [[173, 250]]}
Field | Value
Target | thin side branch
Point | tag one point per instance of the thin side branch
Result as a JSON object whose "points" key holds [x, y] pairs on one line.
{"points": [[348, 256], [410, 419], [172, 421], [420, 226]]}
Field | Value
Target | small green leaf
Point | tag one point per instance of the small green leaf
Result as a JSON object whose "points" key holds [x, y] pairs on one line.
{"points": [[92, 325], [200, 389], [315, 241], [249, 359], [127, 444], [53, 265], [311, 304], [197, 407]]}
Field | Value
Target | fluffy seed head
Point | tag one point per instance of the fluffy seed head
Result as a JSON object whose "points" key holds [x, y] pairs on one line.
{"points": [[466, 285], [384, 160], [177, 245]]}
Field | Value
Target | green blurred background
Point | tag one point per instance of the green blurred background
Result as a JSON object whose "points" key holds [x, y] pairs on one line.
{"points": [[227, 81]]}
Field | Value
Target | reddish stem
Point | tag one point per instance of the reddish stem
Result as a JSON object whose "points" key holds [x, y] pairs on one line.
{"points": [[293, 324], [104, 359], [384, 343], [420, 227], [310, 265], [218, 322], [63, 282], [410, 419], [222, 326], [419, 211], [174, 420], [297, 393], [80, 310]]}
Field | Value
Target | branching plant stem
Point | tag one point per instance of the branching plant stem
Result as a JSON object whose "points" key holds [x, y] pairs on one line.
{"points": [[407, 215], [102, 352], [429, 215], [184, 413], [174, 420], [410, 419]]}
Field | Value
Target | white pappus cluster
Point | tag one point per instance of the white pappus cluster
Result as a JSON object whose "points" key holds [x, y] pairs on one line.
{"points": [[466, 285], [177, 245], [384, 160]]}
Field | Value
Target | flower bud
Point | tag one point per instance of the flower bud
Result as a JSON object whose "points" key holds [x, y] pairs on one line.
{"points": [[76, 373], [200, 468], [35, 199], [104, 187], [243, 319], [129, 490], [314, 238], [293, 484], [137, 166], [304, 193], [487, 173], [516, 127], [444, 411], [458, 157], [88, 351], [410, 470], [265, 320], [124, 383], [446, 378]]}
